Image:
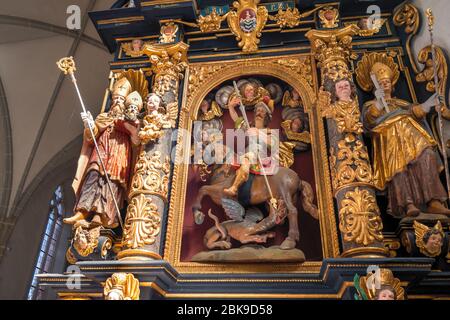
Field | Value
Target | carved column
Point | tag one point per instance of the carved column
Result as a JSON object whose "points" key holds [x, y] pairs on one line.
{"points": [[148, 194], [359, 216]]}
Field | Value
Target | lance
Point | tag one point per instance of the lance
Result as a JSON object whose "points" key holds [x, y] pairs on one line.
{"points": [[273, 201], [430, 17], [67, 65]]}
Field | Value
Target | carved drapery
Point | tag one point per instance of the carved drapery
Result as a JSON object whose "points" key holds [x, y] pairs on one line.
{"points": [[359, 217]]}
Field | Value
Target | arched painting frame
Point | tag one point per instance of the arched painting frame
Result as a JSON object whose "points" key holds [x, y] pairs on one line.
{"points": [[296, 71]]}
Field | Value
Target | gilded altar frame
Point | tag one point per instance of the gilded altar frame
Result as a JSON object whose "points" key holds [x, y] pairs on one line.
{"points": [[298, 71]]}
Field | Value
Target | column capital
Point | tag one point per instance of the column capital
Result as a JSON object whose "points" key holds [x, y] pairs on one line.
{"points": [[168, 64], [332, 50]]}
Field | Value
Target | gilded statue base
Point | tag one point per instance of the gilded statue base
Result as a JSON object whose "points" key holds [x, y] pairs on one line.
{"points": [[138, 255]]}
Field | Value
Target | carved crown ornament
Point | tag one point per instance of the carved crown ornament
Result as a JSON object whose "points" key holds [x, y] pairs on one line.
{"points": [[246, 20]]}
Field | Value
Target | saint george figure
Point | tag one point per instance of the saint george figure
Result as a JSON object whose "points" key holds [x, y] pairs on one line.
{"points": [[404, 157], [114, 135], [261, 139]]}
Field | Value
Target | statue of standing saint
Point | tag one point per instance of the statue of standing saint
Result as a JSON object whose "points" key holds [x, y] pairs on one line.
{"points": [[404, 156], [115, 134]]}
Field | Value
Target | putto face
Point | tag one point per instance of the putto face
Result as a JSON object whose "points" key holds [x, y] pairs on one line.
{"points": [[204, 106], [137, 44], [434, 243], [153, 102], [82, 241], [249, 91], [343, 90], [386, 294], [296, 125], [115, 295]]}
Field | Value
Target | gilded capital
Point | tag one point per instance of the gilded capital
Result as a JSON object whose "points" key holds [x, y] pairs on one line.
{"points": [[332, 49], [168, 64]]}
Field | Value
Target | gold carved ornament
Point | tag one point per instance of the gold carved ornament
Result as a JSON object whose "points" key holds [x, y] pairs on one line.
{"points": [[200, 75], [332, 49], [408, 16], [427, 74], [329, 17], [211, 22], [85, 241], [304, 136], [359, 218], [143, 223], [353, 165], [301, 67], [392, 245], [127, 48], [346, 114], [247, 22], [290, 17], [122, 286], [376, 27], [151, 175], [168, 32], [368, 284], [420, 231], [137, 79], [168, 65]]}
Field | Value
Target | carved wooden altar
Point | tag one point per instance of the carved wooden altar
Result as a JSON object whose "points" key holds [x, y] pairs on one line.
{"points": [[187, 51]]}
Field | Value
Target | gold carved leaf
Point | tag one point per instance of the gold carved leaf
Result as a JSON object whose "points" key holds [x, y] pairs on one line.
{"points": [[359, 218], [143, 223]]}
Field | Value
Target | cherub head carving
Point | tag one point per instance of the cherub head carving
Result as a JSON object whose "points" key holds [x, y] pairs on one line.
{"points": [[153, 102], [379, 285], [429, 240], [85, 241], [121, 286], [386, 292]]}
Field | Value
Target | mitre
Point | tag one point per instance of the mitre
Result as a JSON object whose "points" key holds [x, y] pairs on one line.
{"points": [[134, 98], [122, 87], [381, 71]]}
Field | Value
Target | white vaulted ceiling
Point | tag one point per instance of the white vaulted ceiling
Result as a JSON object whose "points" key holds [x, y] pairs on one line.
{"points": [[42, 105]]}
